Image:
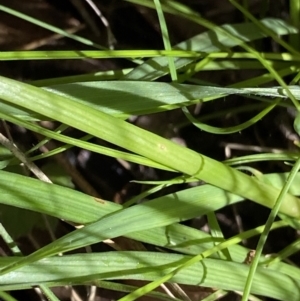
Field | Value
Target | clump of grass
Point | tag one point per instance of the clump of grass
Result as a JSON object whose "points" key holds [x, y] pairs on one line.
{"points": [[98, 107]]}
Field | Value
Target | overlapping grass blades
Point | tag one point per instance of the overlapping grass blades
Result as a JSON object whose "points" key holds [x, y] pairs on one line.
{"points": [[141, 142], [98, 108]]}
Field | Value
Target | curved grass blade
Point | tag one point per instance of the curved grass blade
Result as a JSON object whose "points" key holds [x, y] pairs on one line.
{"points": [[229, 130]]}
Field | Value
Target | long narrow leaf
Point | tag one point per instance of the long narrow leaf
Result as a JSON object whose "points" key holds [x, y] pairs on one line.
{"points": [[144, 143], [149, 266], [122, 99]]}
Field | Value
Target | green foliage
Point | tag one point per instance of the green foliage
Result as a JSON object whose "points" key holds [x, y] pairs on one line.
{"points": [[98, 105]]}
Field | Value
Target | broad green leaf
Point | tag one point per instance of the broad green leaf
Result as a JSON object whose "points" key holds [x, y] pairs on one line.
{"points": [[63, 202], [80, 208], [58, 201], [122, 99], [73, 269], [156, 213]]}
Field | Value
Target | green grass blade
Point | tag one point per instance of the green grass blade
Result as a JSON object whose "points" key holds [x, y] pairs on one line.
{"points": [[162, 211], [148, 266], [122, 99], [81, 208], [229, 130], [31, 194], [84, 54], [82, 143], [17, 252], [264, 235], [143, 143], [166, 39], [84, 209], [157, 67], [171, 234], [217, 234], [269, 32], [120, 287], [295, 20], [6, 297], [97, 76], [285, 156], [187, 263], [153, 214], [216, 295], [291, 249]]}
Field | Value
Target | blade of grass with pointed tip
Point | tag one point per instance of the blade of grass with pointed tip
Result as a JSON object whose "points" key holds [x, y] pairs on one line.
{"points": [[229, 130], [234, 36], [122, 99], [166, 39]]}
